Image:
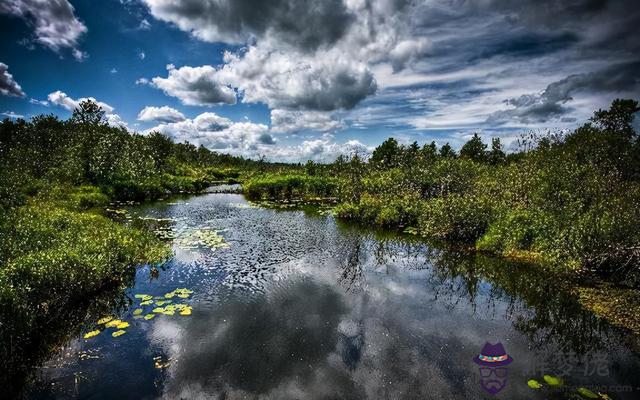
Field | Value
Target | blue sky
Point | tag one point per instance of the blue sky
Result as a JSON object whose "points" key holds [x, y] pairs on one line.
{"points": [[295, 80]]}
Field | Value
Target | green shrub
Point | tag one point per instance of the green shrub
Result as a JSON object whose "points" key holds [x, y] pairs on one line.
{"points": [[455, 217]]}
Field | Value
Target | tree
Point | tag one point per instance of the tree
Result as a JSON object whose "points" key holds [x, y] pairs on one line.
{"points": [[310, 168], [88, 112], [429, 151], [447, 151], [161, 148], [496, 156], [618, 117], [387, 155], [474, 149]]}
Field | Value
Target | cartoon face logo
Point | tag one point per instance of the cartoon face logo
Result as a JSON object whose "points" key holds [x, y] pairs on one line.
{"points": [[492, 362]]}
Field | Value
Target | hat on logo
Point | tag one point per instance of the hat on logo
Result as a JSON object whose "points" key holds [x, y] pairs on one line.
{"points": [[493, 355]]}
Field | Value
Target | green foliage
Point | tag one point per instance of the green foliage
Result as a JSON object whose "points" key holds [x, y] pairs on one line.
{"points": [[289, 187]]}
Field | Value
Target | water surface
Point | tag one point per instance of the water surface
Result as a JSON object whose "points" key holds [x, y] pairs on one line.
{"points": [[299, 306]]}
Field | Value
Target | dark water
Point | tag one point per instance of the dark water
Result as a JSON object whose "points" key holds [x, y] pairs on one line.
{"points": [[300, 307]]}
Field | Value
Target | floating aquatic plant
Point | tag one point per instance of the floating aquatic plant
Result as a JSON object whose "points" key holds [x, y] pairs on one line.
{"points": [[137, 311], [149, 316], [118, 333], [534, 384], [553, 380], [104, 320], [91, 334], [113, 323]]}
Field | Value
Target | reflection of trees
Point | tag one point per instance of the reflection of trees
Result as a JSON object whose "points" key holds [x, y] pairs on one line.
{"points": [[28, 337], [539, 302], [352, 276]]}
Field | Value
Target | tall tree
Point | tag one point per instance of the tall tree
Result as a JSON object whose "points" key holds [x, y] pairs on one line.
{"points": [[474, 149], [387, 155], [88, 112], [496, 156]]}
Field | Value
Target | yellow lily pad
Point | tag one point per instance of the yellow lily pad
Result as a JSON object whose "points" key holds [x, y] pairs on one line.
{"points": [[143, 297], [91, 334], [168, 312], [149, 316], [146, 303], [113, 323], [186, 311], [158, 310], [122, 325], [137, 311], [104, 320], [183, 295], [169, 295], [118, 333], [534, 384]]}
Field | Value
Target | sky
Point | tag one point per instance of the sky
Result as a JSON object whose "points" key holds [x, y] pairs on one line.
{"points": [[294, 80]]}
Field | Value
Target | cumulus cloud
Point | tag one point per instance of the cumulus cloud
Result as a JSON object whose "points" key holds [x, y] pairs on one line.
{"points": [[306, 24], [195, 86], [54, 23], [8, 86], [160, 114], [61, 99], [323, 82], [296, 121], [218, 133]]}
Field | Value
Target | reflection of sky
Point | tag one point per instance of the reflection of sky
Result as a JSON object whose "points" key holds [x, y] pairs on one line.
{"points": [[298, 308]]}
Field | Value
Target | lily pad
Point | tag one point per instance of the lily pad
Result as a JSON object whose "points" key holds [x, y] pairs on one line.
{"points": [[146, 303], [553, 380], [186, 311], [137, 311], [104, 320], [168, 312], [113, 323], [587, 393], [149, 316], [158, 310], [91, 334], [122, 325], [534, 384], [118, 333]]}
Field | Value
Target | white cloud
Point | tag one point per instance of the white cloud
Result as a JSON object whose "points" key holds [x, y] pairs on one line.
{"points": [[113, 71], [39, 102], [196, 86], [296, 121], [160, 114], [8, 85], [323, 81], [218, 133], [55, 25], [12, 115], [142, 55]]}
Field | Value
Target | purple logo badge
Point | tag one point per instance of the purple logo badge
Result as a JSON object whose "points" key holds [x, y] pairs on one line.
{"points": [[492, 362]]}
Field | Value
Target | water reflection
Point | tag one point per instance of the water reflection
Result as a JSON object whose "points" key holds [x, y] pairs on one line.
{"points": [[299, 307]]}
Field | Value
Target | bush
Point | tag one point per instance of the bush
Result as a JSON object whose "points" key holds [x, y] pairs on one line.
{"points": [[455, 217], [520, 231], [289, 187]]}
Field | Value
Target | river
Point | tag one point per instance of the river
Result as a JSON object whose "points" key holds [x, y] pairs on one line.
{"points": [[291, 304]]}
